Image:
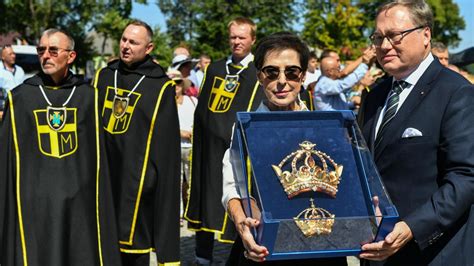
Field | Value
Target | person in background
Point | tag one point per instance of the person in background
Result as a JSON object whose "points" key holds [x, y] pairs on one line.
{"points": [[230, 85], [11, 75], [441, 52], [197, 74], [313, 73], [181, 50], [184, 65], [330, 90], [186, 106]]}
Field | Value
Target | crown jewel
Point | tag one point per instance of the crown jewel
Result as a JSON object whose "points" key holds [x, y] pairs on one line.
{"points": [[314, 221], [306, 174]]}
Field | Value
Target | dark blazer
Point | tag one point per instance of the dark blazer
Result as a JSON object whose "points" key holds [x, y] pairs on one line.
{"points": [[430, 178]]}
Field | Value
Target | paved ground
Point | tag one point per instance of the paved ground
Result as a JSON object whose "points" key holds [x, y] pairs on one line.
{"points": [[221, 250]]}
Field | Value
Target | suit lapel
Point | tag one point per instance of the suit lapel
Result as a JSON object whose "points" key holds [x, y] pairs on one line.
{"points": [[395, 129]]}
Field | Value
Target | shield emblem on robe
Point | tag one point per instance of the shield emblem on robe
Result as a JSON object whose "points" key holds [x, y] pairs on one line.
{"points": [[56, 117], [118, 109], [120, 106], [231, 82], [223, 93], [57, 131]]}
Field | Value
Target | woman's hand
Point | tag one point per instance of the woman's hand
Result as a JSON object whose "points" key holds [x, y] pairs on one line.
{"points": [[244, 226], [252, 250]]}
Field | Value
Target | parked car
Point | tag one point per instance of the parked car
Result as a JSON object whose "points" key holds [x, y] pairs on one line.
{"points": [[27, 58]]}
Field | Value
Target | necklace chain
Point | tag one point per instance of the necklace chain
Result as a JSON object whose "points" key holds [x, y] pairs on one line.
{"points": [[238, 72], [49, 102], [134, 88]]}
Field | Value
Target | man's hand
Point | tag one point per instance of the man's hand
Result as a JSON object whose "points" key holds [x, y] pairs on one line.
{"points": [[393, 242]]}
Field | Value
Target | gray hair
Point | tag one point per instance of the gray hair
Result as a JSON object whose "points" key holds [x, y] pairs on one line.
{"points": [[420, 12], [439, 46], [52, 31]]}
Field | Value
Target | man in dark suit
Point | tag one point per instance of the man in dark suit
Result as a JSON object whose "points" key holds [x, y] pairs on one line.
{"points": [[419, 126]]}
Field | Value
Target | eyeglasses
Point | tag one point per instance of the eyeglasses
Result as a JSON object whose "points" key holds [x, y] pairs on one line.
{"points": [[291, 72], [53, 50], [393, 37]]}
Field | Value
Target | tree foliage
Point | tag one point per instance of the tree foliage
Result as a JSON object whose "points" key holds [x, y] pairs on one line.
{"points": [[203, 24], [334, 24], [163, 51], [447, 22], [30, 18], [342, 24]]}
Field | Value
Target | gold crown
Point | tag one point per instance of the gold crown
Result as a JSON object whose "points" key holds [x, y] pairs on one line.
{"points": [[314, 221], [306, 175]]}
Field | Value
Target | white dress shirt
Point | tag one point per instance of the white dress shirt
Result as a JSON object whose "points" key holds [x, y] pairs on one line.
{"points": [[412, 79]]}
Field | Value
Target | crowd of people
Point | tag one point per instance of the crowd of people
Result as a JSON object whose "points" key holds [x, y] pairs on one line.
{"points": [[107, 173]]}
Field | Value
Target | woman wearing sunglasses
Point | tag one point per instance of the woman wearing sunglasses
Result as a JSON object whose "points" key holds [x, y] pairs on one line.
{"points": [[281, 60]]}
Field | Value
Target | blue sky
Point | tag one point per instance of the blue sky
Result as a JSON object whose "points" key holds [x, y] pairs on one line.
{"points": [[152, 15]]}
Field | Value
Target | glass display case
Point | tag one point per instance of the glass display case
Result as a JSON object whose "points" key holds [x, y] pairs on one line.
{"points": [[313, 179]]}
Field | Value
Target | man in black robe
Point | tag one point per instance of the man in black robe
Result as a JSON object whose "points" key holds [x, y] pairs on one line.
{"points": [[56, 205], [229, 85], [140, 118]]}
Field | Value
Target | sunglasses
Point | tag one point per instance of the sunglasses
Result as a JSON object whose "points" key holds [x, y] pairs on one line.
{"points": [[292, 73], [53, 50]]}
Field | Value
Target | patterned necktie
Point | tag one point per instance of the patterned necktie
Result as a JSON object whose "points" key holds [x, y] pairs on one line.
{"points": [[391, 108]]}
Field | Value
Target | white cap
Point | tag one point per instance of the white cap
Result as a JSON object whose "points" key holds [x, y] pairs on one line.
{"points": [[179, 60]]}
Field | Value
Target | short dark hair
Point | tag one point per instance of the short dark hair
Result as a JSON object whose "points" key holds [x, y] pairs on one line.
{"points": [[326, 53], [140, 23], [3, 48], [278, 42]]}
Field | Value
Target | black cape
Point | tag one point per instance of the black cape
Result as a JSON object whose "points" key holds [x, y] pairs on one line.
{"points": [[144, 153], [212, 129], [307, 97], [56, 205]]}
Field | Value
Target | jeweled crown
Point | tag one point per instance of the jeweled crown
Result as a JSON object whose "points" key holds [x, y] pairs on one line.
{"points": [[306, 174], [314, 221]]}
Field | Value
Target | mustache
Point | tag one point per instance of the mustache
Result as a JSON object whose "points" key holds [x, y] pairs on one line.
{"points": [[47, 62]]}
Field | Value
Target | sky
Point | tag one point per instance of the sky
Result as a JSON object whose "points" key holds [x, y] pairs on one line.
{"points": [[152, 15]]}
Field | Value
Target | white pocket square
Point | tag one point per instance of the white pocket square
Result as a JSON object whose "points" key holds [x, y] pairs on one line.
{"points": [[411, 132]]}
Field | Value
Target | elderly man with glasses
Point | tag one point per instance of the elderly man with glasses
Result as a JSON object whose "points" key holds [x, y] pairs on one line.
{"points": [[56, 205], [419, 125]]}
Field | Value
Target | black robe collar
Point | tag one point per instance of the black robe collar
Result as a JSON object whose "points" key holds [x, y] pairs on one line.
{"points": [[146, 67]]}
